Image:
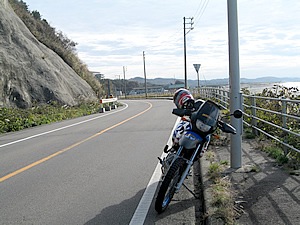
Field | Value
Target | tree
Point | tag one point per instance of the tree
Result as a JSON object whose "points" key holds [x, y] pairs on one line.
{"points": [[36, 15]]}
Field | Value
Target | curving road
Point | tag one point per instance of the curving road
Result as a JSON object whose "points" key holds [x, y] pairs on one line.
{"points": [[89, 170]]}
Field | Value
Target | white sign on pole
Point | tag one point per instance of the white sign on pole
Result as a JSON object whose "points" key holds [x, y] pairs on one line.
{"points": [[197, 67]]}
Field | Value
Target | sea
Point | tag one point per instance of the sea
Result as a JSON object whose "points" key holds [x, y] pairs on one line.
{"points": [[259, 87]]}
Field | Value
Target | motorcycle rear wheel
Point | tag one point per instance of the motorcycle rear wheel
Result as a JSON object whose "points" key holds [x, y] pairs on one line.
{"points": [[167, 188]]}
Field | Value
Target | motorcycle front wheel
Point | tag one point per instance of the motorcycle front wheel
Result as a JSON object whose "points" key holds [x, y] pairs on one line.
{"points": [[167, 188]]}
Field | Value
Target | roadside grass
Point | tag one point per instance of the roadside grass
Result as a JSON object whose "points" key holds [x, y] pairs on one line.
{"points": [[223, 200], [276, 153], [222, 193], [289, 159], [14, 119], [248, 134]]}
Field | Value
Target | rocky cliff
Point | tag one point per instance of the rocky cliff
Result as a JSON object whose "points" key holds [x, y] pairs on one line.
{"points": [[31, 72]]}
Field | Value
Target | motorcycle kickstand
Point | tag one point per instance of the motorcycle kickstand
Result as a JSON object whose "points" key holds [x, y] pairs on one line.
{"points": [[190, 191]]}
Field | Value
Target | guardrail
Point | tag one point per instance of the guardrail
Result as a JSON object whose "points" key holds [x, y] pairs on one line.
{"points": [[108, 104], [263, 114]]}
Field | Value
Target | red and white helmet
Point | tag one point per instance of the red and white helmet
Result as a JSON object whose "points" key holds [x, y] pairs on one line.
{"points": [[183, 98]]}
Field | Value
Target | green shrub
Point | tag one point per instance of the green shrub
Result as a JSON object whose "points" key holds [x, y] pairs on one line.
{"points": [[276, 153], [13, 119]]}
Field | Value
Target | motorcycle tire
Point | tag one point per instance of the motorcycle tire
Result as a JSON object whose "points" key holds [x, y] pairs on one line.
{"points": [[167, 188]]}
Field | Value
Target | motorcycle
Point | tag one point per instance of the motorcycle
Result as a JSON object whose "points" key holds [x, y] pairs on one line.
{"points": [[205, 119]]}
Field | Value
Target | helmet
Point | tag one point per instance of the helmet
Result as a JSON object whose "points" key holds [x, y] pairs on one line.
{"points": [[183, 98]]}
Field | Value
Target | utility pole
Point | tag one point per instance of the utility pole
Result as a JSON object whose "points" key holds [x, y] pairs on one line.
{"points": [[108, 88], [124, 68], [144, 60], [185, 32], [234, 81]]}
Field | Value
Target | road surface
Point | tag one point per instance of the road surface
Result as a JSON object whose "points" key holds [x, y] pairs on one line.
{"points": [[89, 170]]}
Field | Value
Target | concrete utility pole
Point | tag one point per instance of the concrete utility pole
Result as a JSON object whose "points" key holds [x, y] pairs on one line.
{"points": [[184, 45], [144, 60], [124, 68], [234, 80]]}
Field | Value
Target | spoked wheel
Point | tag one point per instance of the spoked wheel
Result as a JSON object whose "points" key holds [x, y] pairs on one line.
{"points": [[167, 188]]}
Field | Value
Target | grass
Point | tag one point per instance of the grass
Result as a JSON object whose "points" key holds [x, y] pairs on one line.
{"points": [[223, 200], [14, 119], [289, 159], [276, 153], [255, 168], [214, 170], [248, 134], [222, 195]]}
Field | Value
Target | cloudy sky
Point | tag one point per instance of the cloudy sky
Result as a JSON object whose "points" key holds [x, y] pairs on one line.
{"points": [[114, 33]]}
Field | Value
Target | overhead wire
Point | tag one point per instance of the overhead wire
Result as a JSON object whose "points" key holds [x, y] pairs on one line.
{"points": [[197, 17], [199, 14], [175, 36]]}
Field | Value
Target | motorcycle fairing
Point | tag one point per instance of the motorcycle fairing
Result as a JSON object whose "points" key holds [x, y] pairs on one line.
{"points": [[190, 140]]}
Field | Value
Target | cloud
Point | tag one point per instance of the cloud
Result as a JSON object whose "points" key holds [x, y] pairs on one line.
{"points": [[113, 34]]}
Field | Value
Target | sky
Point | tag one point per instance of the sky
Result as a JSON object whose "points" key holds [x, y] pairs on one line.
{"points": [[113, 34]]}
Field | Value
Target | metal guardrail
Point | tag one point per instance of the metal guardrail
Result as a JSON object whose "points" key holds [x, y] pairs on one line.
{"points": [[108, 104], [285, 110]]}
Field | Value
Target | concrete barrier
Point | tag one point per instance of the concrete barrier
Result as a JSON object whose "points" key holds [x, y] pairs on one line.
{"points": [[107, 104]]}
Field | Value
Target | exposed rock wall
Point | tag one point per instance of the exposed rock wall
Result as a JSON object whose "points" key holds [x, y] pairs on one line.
{"points": [[31, 72]]}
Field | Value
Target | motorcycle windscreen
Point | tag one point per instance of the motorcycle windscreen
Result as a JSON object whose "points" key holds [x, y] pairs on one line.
{"points": [[190, 140], [209, 113]]}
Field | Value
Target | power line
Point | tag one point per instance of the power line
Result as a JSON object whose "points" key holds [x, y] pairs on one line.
{"points": [[199, 13]]}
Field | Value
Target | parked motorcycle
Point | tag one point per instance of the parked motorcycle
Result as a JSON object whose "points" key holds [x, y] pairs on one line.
{"points": [[205, 119]]}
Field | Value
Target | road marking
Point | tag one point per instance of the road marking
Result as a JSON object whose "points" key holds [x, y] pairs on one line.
{"points": [[69, 147], [61, 128], [141, 211]]}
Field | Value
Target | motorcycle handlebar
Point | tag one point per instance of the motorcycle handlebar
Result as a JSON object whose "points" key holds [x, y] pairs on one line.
{"points": [[182, 112], [225, 127]]}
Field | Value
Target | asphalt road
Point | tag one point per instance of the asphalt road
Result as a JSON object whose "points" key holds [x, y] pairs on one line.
{"points": [[89, 170]]}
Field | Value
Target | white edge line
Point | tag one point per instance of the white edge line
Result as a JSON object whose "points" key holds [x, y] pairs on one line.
{"points": [[61, 128], [142, 209]]}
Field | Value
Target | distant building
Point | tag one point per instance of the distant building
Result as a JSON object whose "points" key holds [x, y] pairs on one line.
{"points": [[98, 75]]}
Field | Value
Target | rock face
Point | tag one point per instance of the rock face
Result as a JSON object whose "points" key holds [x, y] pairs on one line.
{"points": [[31, 72]]}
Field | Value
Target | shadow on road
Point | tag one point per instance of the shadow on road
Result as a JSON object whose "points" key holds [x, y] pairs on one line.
{"points": [[119, 213], [180, 210], [267, 194]]}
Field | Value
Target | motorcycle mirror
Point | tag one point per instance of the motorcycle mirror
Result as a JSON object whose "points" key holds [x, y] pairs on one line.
{"points": [[237, 113]]}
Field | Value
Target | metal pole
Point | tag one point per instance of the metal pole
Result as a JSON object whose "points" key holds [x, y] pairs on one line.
{"points": [[234, 78], [284, 124], [184, 48], [198, 81], [145, 74], [124, 82], [197, 68]]}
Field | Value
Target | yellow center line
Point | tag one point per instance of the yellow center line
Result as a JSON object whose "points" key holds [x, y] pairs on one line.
{"points": [[69, 147]]}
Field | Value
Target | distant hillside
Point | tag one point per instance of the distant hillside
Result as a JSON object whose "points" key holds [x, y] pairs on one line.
{"points": [[216, 82]]}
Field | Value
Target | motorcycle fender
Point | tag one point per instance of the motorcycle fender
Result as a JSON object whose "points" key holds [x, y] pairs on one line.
{"points": [[190, 140]]}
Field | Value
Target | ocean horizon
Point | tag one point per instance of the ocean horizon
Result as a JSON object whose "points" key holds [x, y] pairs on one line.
{"points": [[259, 87]]}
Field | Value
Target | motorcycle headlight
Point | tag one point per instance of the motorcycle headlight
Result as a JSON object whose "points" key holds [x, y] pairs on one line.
{"points": [[202, 126]]}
